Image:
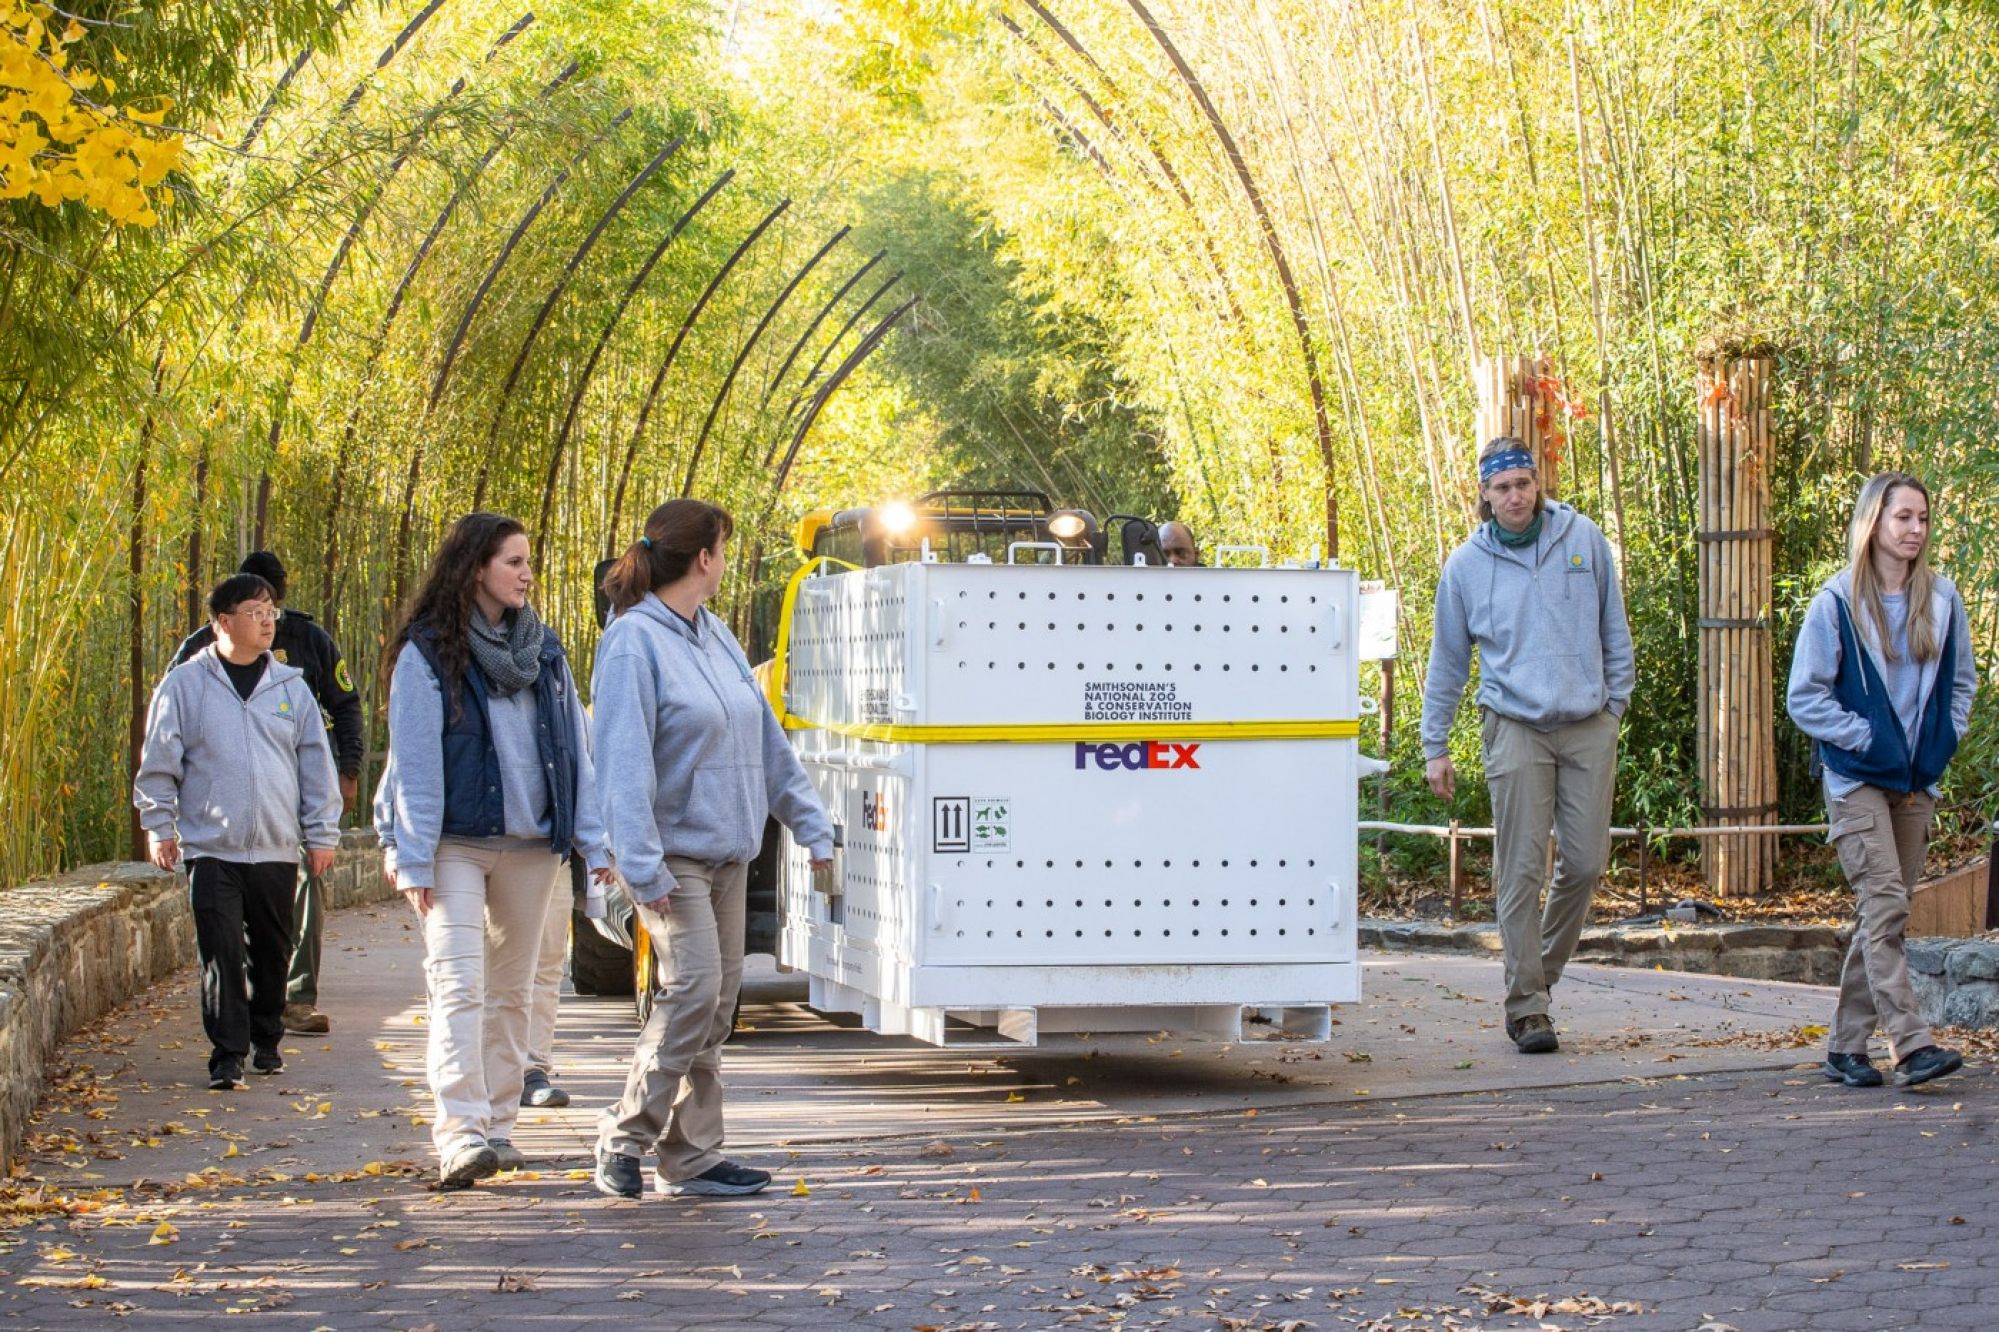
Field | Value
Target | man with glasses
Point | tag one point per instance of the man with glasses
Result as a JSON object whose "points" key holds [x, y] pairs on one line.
{"points": [[1176, 539], [300, 642], [234, 777]]}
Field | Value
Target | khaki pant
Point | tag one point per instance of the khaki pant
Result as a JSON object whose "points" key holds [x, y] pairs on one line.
{"points": [[548, 981], [1881, 837], [481, 939], [673, 1095], [1541, 780]]}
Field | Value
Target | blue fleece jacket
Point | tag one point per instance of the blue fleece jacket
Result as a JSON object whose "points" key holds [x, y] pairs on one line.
{"points": [[693, 760], [240, 779], [1812, 698], [1548, 622]]}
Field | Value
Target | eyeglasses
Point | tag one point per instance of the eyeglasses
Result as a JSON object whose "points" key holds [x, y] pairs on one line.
{"points": [[261, 614]]}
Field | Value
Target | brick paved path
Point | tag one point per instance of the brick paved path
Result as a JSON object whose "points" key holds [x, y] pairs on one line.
{"points": [[1757, 1197]]}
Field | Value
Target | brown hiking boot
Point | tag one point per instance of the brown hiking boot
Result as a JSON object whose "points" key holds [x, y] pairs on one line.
{"points": [[1533, 1034], [305, 1020]]}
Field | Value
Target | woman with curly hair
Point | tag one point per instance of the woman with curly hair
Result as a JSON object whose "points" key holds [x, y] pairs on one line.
{"points": [[490, 788]]}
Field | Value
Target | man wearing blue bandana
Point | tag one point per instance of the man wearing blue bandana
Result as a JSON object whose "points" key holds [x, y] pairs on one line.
{"points": [[1536, 591]]}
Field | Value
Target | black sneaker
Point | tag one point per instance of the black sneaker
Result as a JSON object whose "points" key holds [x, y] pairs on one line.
{"points": [[468, 1162], [1932, 1061], [268, 1061], [1533, 1034], [727, 1180], [1855, 1070], [537, 1090], [226, 1075], [618, 1175]]}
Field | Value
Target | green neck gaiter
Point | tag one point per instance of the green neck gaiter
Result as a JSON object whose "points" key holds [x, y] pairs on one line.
{"points": [[1526, 537]]}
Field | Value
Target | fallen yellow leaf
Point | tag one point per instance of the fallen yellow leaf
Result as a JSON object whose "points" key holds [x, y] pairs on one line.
{"points": [[164, 1233], [799, 1190]]}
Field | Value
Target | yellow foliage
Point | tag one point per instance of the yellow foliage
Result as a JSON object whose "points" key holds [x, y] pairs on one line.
{"points": [[57, 144]]}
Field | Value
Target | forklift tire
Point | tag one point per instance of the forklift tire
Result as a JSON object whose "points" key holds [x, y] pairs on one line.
{"points": [[596, 964]]}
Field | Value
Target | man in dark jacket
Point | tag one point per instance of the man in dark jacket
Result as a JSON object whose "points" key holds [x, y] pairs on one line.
{"points": [[301, 643]]}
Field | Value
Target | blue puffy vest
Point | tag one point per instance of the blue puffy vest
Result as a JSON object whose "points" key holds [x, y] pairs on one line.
{"points": [[474, 805], [1887, 762]]}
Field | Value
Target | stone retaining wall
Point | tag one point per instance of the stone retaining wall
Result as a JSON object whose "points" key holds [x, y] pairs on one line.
{"points": [[1956, 980], [75, 946], [1806, 953]]}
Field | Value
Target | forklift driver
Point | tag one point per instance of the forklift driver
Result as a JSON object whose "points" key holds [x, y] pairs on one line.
{"points": [[1177, 540]]}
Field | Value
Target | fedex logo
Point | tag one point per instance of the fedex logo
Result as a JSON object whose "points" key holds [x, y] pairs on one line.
{"points": [[874, 811], [1138, 754]]}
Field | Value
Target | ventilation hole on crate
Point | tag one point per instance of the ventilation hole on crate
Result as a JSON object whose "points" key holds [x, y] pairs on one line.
{"points": [[1252, 864], [1079, 902], [1169, 596], [1079, 864], [1023, 596], [1051, 596], [1051, 665], [1283, 669], [1166, 864], [1107, 865], [1196, 933], [1254, 667], [1049, 933], [1020, 864], [1197, 864], [1138, 934], [1080, 666], [1050, 865], [1225, 934], [1166, 934], [1138, 864]]}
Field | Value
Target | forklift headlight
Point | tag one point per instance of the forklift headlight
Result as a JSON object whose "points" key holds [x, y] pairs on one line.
{"points": [[895, 518], [1071, 527]]}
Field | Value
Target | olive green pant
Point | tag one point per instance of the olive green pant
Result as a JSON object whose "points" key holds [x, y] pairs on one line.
{"points": [[308, 927], [673, 1094], [1557, 781], [1881, 837]]}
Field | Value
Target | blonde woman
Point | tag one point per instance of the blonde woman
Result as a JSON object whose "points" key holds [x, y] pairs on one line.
{"points": [[1882, 682]]}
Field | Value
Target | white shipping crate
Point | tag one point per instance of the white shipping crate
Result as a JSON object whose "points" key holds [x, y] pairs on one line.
{"points": [[1082, 798]]}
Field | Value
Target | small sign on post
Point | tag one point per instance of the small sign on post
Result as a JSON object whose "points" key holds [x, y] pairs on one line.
{"points": [[1380, 605]]}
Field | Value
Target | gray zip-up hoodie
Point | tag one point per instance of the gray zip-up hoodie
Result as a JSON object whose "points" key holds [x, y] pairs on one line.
{"points": [[246, 780], [692, 760], [1809, 697], [1548, 621]]}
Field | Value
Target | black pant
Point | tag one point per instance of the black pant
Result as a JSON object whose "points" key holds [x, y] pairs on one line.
{"points": [[243, 931]]}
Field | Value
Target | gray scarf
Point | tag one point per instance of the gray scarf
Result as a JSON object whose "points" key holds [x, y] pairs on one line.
{"points": [[510, 652]]}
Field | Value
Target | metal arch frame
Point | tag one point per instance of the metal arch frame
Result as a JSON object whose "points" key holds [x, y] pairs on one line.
{"points": [[824, 352], [310, 323], [862, 350], [1160, 160], [270, 106], [672, 353], [389, 52], [408, 518], [604, 339], [555, 294], [379, 345], [514, 238], [813, 327], [743, 355], [1268, 227]]}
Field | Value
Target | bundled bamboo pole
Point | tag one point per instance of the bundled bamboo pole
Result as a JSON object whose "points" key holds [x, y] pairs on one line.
{"points": [[1511, 402], [1737, 703]]}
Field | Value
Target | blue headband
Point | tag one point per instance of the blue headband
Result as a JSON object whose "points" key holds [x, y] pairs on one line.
{"points": [[1504, 461]]}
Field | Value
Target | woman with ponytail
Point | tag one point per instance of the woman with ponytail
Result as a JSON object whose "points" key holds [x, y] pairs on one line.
{"points": [[1882, 681], [489, 788], [694, 763]]}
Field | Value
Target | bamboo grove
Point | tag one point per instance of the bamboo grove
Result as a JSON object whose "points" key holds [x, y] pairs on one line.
{"points": [[1232, 260]]}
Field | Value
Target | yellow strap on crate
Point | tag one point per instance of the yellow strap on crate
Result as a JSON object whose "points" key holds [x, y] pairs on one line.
{"points": [[1021, 732], [1042, 733], [780, 661]]}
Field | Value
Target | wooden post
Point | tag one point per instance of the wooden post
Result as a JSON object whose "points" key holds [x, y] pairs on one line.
{"points": [[1457, 877], [1510, 402], [1736, 710]]}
